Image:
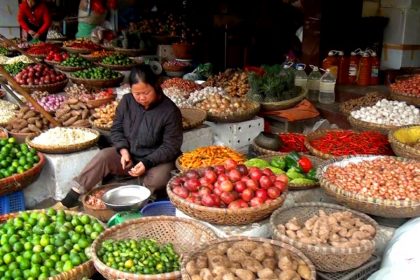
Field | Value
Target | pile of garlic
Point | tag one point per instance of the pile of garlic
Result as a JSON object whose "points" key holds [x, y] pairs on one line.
{"points": [[63, 136], [388, 113], [202, 94]]}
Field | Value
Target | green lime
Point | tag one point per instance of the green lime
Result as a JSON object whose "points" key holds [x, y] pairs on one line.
{"points": [[36, 258], [18, 247], [37, 249], [7, 258], [27, 255], [49, 249], [11, 140], [67, 266], [85, 219], [24, 264]]}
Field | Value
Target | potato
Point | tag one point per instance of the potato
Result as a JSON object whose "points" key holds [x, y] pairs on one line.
{"points": [[252, 264], [244, 274], [196, 277], [205, 274], [304, 271], [192, 268], [266, 273], [201, 262], [229, 276], [258, 254], [269, 263], [285, 263], [222, 247], [291, 234], [247, 246], [235, 265], [289, 275], [236, 255], [217, 260], [220, 270], [268, 250], [293, 224]]}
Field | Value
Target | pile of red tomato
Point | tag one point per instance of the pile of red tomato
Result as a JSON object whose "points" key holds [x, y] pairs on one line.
{"points": [[57, 56]]}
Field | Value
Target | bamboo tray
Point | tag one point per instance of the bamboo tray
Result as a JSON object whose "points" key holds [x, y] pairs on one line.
{"points": [[101, 127], [374, 206], [363, 126], [69, 68], [236, 117], [325, 258], [98, 83], [78, 50], [51, 88], [412, 100], [57, 149], [285, 104], [195, 117], [401, 149]]}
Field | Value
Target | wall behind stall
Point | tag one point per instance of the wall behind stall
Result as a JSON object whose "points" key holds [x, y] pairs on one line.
{"points": [[9, 26]]}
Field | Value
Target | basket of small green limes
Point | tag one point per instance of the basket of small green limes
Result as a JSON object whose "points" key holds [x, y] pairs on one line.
{"points": [[117, 62], [148, 248], [53, 244], [20, 165], [73, 63], [98, 77]]}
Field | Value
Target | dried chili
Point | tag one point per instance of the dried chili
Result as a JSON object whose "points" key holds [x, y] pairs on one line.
{"points": [[347, 142], [42, 48], [292, 142]]}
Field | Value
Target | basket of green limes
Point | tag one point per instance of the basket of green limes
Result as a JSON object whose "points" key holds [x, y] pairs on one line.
{"points": [[97, 77], [20, 165], [48, 243]]}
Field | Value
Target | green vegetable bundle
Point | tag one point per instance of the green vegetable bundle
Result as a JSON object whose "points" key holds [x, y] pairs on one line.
{"points": [[96, 73]]}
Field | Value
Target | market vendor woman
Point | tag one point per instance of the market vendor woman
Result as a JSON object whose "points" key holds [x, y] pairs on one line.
{"points": [[34, 18], [147, 138]]}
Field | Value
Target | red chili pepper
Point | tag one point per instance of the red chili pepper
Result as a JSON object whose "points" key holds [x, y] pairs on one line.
{"points": [[305, 163], [292, 142]]}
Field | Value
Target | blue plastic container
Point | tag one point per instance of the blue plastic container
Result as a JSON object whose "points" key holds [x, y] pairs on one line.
{"points": [[159, 208], [13, 202]]}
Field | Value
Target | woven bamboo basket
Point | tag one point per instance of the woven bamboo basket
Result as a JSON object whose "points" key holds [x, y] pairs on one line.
{"points": [[185, 234], [51, 88], [374, 206], [98, 83], [325, 258], [78, 50], [363, 126], [69, 68], [131, 52], [276, 244], [95, 103], [101, 127], [21, 136], [412, 100], [91, 58], [103, 214], [79, 272], [401, 149], [18, 182], [262, 151], [58, 149], [51, 62], [194, 116], [235, 117], [315, 163], [118, 67], [224, 216], [285, 104]]}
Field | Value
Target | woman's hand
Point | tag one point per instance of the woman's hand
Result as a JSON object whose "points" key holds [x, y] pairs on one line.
{"points": [[32, 33], [137, 170], [125, 159]]}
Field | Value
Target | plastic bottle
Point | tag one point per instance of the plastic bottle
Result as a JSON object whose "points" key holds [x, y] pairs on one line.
{"points": [[374, 72], [364, 71], [327, 88], [330, 62], [343, 68], [301, 79], [353, 67], [313, 83]]}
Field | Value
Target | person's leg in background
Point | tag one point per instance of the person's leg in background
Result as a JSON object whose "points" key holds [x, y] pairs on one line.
{"points": [[107, 161], [156, 178]]}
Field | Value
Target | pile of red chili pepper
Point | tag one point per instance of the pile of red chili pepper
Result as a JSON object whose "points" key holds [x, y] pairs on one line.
{"points": [[348, 142], [82, 44], [42, 48], [292, 142]]}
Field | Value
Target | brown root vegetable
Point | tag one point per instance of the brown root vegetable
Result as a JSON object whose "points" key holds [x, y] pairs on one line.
{"points": [[192, 268], [220, 270], [266, 273], [201, 262], [252, 264], [229, 276], [235, 265], [29, 114], [281, 228], [217, 260], [269, 263], [285, 263], [236, 255], [289, 275], [268, 250], [245, 274], [258, 254], [293, 224], [304, 271], [33, 128], [205, 274], [223, 247], [246, 245], [291, 234]]}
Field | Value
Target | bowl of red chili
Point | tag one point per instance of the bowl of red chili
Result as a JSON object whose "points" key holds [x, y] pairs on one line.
{"points": [[332, 143]]}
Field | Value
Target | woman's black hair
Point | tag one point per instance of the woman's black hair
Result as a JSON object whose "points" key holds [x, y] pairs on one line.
{"points": [[143, 73]]}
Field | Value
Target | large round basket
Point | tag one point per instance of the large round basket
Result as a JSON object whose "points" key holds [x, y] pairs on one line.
{"points": [[291, 186], [98, 83], [52, 62], [374, 206], [412, 100], [185, 234], [91, 58], [118, 67], [59, 149], [101, 213], [20, 136], [325, 258], [193, 117], [85, 270], [401, 149], [235, 117], [225, 216], [363, 126], [95, 103], [131, 52], [277, 246], [262, 151], [51, 88], [285, 104], [77, 50], [101, 127], [18, 182], [69, 68]]}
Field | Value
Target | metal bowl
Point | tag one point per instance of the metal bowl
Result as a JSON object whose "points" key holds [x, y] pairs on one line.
{"points": [[126, 198]]}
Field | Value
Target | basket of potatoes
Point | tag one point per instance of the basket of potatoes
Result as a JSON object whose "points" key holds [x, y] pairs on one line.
{"points": [[247, 258], [103, 117], [333, 237]]}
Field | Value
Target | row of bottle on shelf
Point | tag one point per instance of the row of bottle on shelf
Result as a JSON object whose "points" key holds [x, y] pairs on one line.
{"points": [[360, 68]]}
